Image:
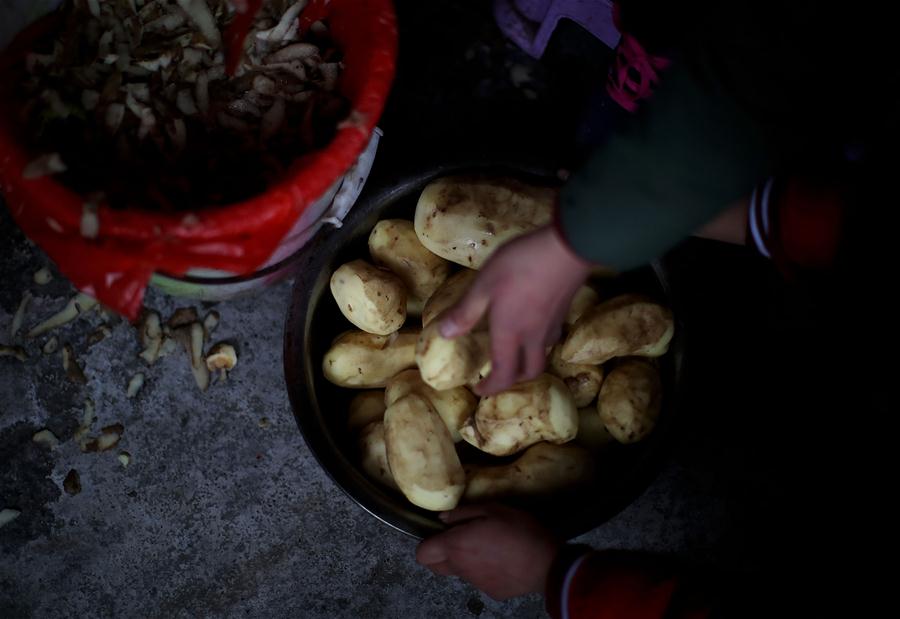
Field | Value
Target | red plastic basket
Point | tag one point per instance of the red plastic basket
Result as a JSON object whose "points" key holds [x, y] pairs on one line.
{"points": [[133, 244]]}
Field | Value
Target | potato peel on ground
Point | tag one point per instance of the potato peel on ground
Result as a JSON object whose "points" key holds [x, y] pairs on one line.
{"points": [[77, 306], [210, 322], [98, 335], [151, 336], [13, 351], [151, 353], [46, 438], [86, 421], [182, 317], [134, 385], [51, 346], [184, 328], [70, 364], [149, 327], [198, 365], [19, 316], [109, 438], [191, 339], [7, 515], [221, 358]]}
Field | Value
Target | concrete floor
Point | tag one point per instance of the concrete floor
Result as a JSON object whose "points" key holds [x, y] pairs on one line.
{"points": [[216, 515]]}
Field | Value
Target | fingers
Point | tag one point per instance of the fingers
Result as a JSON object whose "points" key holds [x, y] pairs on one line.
{"points": [[553, 336], [505, 364], [463, 317], [466, 512], [439, 548], [443, 569], [535, 360], [432, 551], [512, 362]]}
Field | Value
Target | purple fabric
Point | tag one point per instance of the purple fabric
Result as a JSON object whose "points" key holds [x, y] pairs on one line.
{"points": [[530, 23], [534, 10]]}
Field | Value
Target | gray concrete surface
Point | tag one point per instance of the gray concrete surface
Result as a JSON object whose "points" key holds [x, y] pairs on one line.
{"points": [[217, 516]]}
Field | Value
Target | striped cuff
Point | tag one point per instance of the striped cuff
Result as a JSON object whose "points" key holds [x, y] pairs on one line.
{"points": [[559, 580], [759, 217], [796, 224]]}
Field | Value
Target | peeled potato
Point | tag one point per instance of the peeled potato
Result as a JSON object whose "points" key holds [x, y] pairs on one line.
{"points": [[621, 327], [582, 380], [365, 408], [373, 458], [372, 299], [394, 245], [465, 219], [591, 431], [538, 410], [360, 360], [455, 406], [585, 298], [448, 295], [421, 454], [541, 470], [630, 400], [446, 363]]}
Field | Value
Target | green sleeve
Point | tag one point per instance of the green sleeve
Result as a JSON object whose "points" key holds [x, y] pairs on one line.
{"points": [[663, 175]]}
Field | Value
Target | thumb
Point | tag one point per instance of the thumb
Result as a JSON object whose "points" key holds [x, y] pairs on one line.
{"points": [[462, 318], [432, 551]]}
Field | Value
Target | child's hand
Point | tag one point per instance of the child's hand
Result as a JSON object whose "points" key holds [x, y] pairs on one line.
{"points": [[526, 289], [503, 552]]}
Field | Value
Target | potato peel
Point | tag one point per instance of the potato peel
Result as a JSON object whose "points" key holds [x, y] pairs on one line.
{"points": [[46, 438], [19, 316], [70, 364], [77, 306]]}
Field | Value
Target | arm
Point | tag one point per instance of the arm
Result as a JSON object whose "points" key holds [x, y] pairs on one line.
{"points": [[656, 182], [584, 583], [663, 176], [507, 553]]}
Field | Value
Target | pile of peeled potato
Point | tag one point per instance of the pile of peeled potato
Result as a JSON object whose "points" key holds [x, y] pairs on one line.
{"points": [[601, 383]]}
